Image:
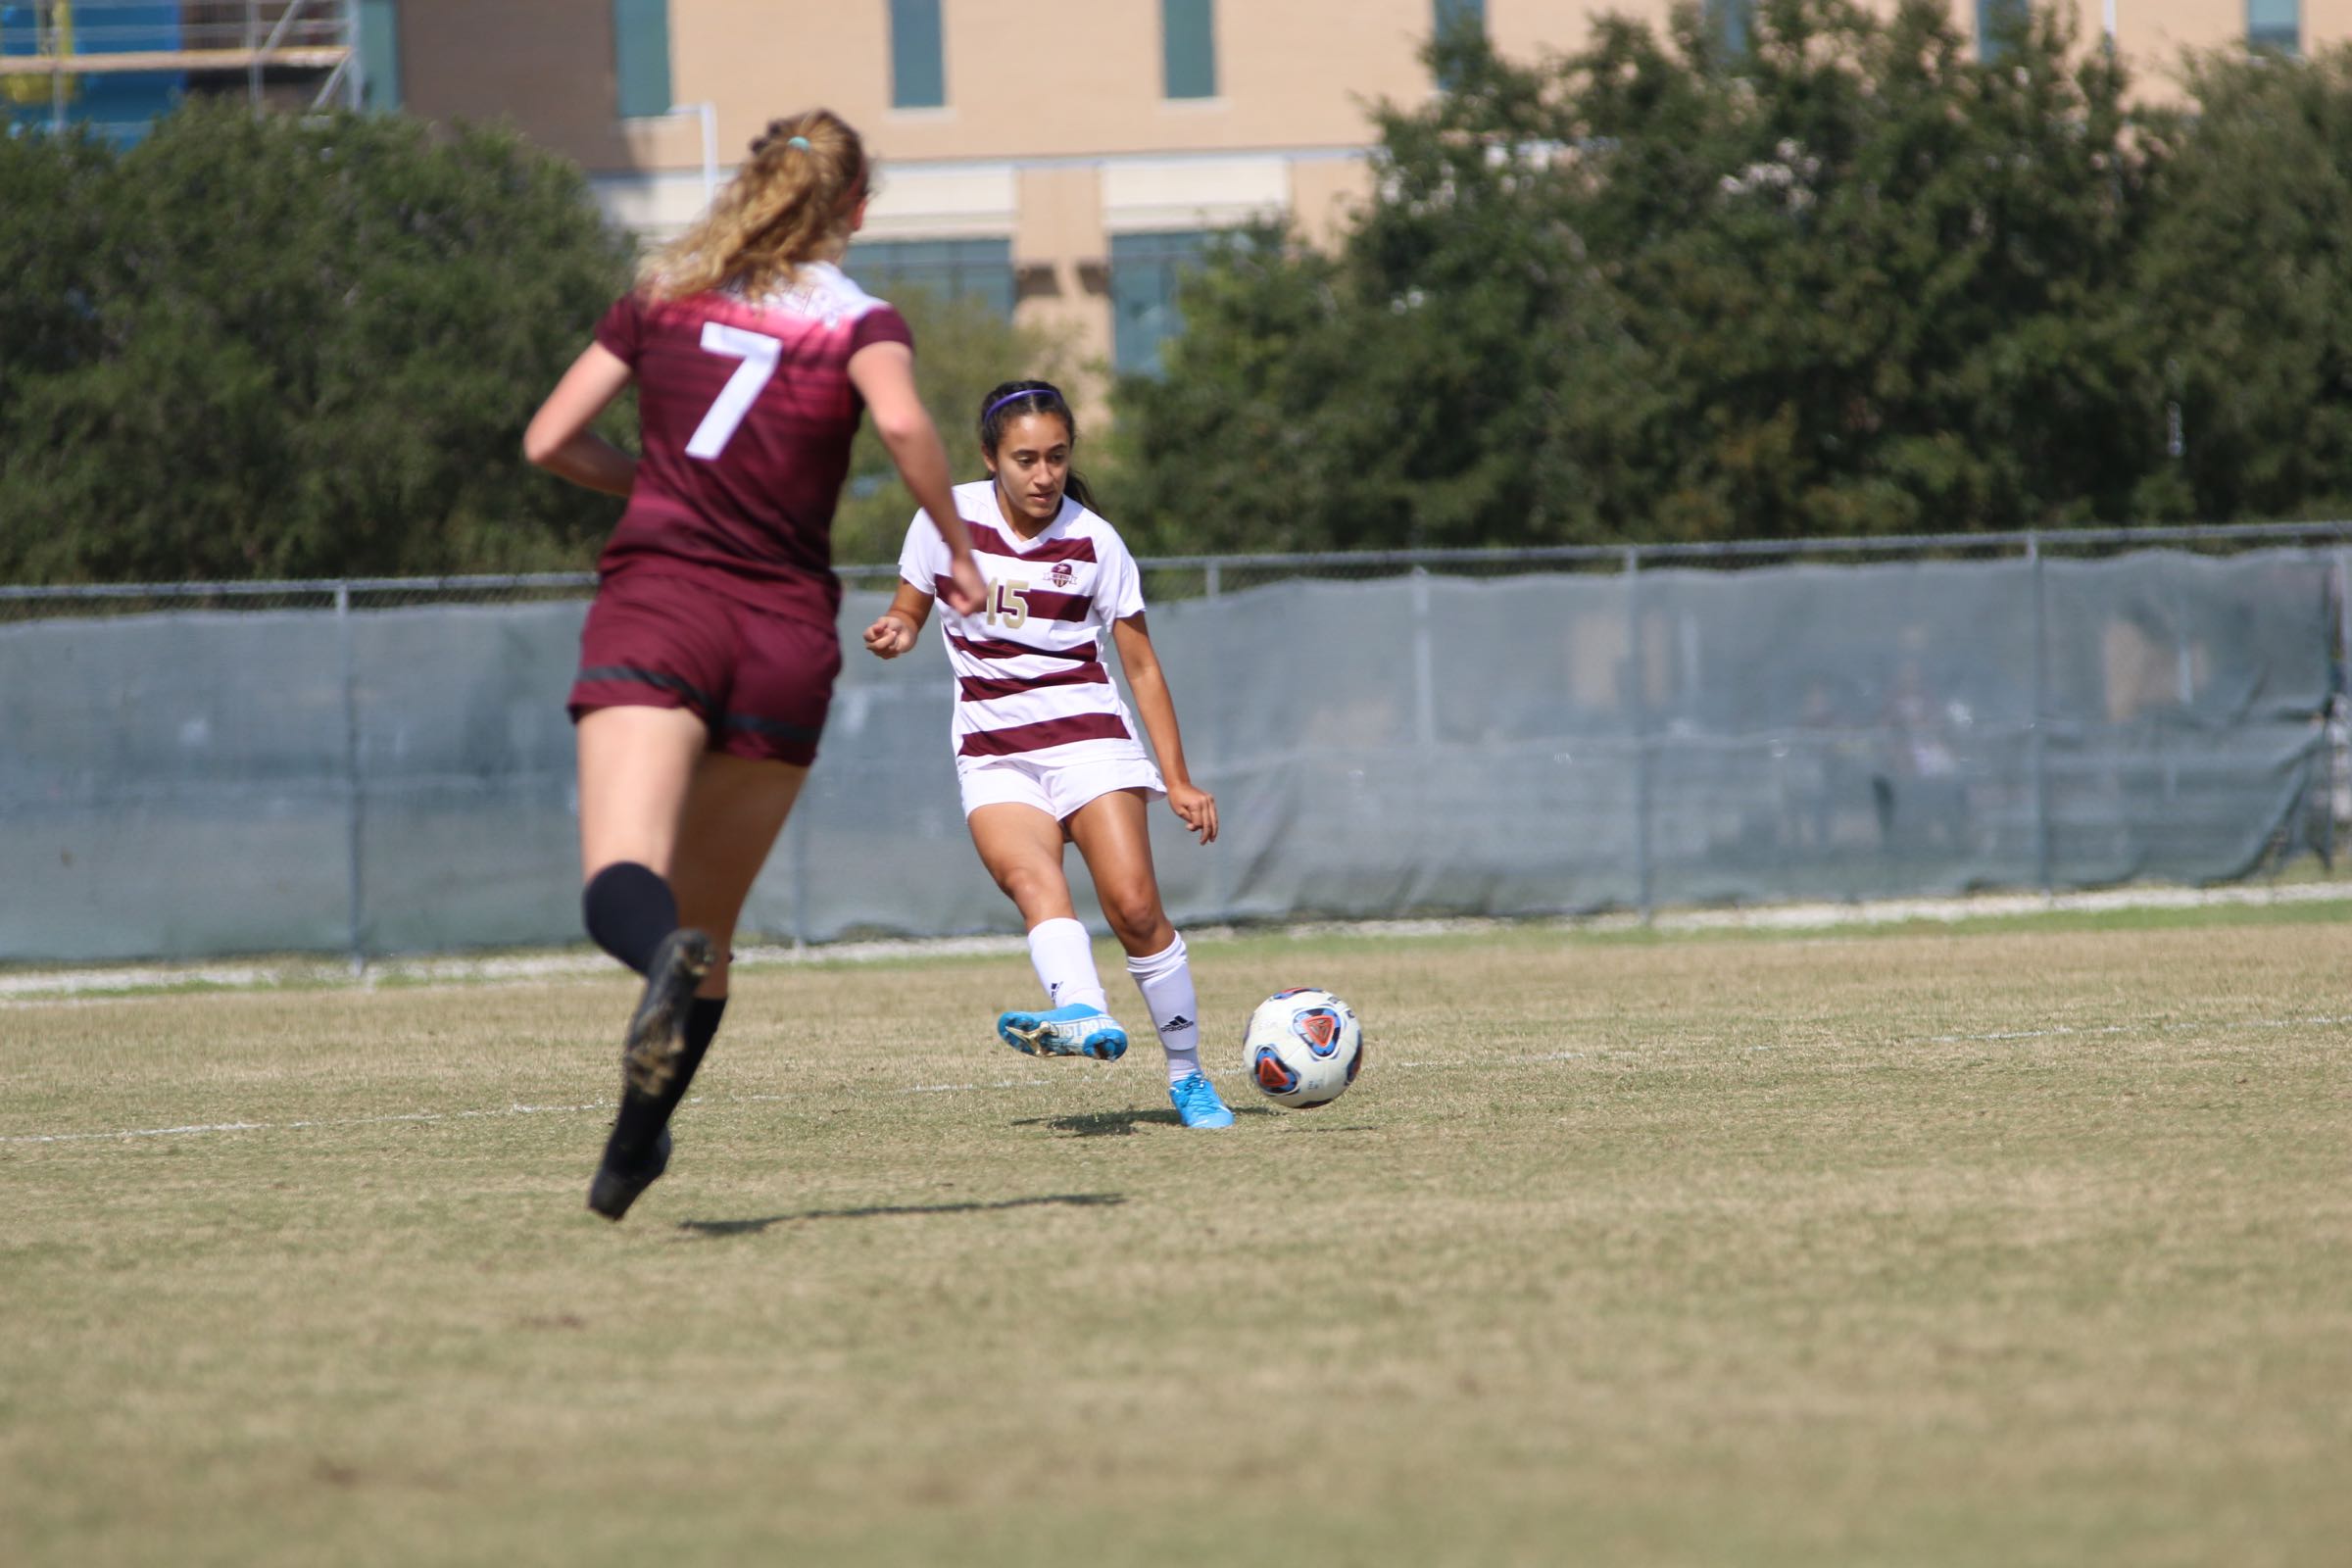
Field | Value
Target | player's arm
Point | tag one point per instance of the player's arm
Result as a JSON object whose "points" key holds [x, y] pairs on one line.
{"points": [[1158, 710], [559, 439], [894, 630], [884, 375]]}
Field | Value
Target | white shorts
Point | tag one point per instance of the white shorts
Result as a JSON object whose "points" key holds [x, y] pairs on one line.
{"points": [[1057, 790]]}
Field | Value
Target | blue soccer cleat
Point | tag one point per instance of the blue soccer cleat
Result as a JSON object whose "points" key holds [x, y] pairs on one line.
{"points": [[1197, 1104], [1076, 1030]]}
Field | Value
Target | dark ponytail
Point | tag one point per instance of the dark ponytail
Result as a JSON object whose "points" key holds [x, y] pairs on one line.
{"points": [[1010, 400]]}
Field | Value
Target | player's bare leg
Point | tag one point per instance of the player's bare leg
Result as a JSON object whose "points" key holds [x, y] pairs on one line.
{"points": [[734, 811], [636, 767], [1021, 848], [1112, 831]]}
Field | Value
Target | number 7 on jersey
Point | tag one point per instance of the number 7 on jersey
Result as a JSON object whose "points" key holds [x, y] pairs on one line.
{"points": [[759, 353]]}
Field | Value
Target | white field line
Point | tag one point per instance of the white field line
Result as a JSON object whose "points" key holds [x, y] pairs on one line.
{"points": [[971, 1089], [517, 1109], [293, 1126], [46, 987], [2003, 1037], [1894, 911], [2056, 1031]]}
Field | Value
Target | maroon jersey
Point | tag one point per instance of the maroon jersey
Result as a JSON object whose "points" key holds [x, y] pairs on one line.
{"points": [[747, 413]]}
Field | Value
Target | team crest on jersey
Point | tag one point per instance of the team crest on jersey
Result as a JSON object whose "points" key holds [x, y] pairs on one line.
{"points": [[1062, 574]]}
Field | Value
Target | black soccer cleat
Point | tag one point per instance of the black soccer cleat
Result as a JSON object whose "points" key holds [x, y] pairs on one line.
{"points": [[657, 1036], [615, 1190]]}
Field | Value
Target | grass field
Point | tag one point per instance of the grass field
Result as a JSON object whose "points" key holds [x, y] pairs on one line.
{"points": [[2029, 1245]]}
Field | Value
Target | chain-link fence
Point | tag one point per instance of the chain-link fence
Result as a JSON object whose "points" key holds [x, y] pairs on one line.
{"points": [[381, 766]]}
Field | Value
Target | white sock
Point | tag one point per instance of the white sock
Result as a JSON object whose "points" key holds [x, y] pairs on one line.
{"points": [[1065, 959], [1166, 981]]}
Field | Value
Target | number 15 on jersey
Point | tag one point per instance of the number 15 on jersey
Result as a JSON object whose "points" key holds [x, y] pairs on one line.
{"points": [[1008, 604]]}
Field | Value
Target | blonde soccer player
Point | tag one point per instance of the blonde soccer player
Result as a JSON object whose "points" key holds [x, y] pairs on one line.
{"points": [[1046, 752], [708, 660]]}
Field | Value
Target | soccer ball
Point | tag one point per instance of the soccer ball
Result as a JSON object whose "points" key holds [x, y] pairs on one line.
{"points": [[1302, 1047]]}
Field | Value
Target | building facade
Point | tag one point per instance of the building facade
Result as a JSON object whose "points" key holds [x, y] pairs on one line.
{"points": [[113, 66], [1062, 160]]}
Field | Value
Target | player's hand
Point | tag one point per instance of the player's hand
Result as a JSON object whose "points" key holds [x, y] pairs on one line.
{"points": [[1198, 808], [889, 637], [967, 591]]}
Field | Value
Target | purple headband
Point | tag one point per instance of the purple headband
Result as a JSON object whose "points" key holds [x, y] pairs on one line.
{"points": [[1012, 397]]}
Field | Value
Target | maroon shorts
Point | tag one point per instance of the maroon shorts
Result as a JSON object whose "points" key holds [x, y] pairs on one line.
{"points": [[762, 682]]}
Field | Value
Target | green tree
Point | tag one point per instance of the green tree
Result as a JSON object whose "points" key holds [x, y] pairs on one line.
{"points": [[1849, 279], [262, 347], [2248, 335], [962, 349], [278, 347], [49, 188]]}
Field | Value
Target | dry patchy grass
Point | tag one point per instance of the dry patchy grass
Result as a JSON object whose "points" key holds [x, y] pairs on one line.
{"points": [[2019, 1248]]}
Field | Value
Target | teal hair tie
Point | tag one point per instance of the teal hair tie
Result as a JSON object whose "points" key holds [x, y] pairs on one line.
{"points": [[802, 142]]}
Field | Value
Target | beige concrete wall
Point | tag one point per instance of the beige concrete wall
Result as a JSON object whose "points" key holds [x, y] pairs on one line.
{"points": [[2325, 22], [758, 60], [1059, 251], [1056, 131], [1535, 29], [1052, 78], [1326, 193], [2152, 33], [1057, 78]]}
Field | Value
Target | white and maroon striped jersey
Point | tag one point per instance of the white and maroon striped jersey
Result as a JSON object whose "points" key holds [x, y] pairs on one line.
{"points": [[1030, 681]]}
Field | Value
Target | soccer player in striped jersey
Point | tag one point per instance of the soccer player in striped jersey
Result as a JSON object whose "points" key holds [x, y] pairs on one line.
{"points": [[707, 659], [1045, 751]]}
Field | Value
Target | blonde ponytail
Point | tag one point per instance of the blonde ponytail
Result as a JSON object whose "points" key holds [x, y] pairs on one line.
{"points": [[789, 203]]}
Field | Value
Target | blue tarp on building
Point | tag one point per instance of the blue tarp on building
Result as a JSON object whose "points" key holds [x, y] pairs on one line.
{"points": [[116, 105]]}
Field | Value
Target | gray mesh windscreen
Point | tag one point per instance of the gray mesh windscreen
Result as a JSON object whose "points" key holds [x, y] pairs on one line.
{"points": [[174, 785], [401, 779]]}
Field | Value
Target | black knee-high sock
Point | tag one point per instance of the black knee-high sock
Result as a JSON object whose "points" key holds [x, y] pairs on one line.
{"points": [[629, 910], [641, 1120]]}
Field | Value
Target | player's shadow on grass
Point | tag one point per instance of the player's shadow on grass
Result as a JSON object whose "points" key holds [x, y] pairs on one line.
{"points": [[753, 1227], [1121, 1123]]}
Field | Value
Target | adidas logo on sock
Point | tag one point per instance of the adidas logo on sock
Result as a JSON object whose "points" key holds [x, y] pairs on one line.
{"points": [[1179, 1021]]}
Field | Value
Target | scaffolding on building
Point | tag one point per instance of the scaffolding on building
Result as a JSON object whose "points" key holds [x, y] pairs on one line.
{"points": [[280, 54]]}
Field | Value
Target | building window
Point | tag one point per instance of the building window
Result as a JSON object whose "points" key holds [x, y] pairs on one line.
{"points": [[379, 56], [1453, 13], [1997, 23], [2275, 24], [1447, 16], [1146, 271], [1188, 35], [1728, 22], [918, 66], [952, 269], [641, 57]]}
